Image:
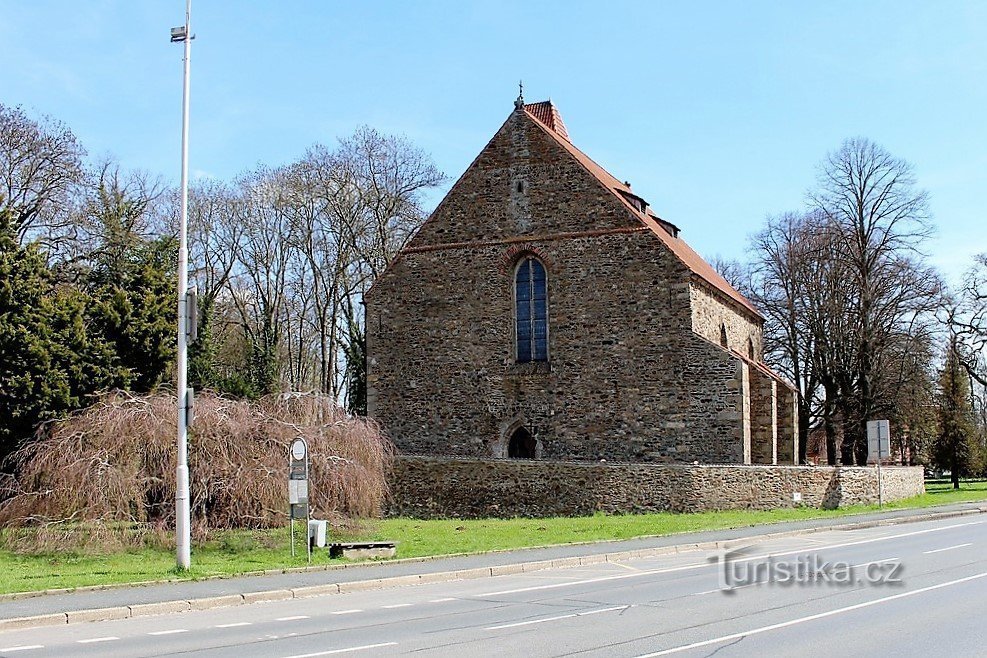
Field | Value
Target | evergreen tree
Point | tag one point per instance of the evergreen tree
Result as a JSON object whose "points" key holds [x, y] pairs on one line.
{"points": [[133, 307], [951, 449], [49, 362]]}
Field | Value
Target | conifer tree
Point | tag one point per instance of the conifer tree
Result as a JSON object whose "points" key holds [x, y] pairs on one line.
{"points": [[951, 449]]}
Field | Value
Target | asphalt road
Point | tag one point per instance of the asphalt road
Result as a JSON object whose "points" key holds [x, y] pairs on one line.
{"points": [[911, 589]]}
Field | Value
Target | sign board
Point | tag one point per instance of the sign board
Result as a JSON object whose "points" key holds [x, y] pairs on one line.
{"points": [[298, 479], [878, 440]]}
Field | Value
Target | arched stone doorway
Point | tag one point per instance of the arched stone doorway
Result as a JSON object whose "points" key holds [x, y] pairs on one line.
{"points": [[522, 445]]}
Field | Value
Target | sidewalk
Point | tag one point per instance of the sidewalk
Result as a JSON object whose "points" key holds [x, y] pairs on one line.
{"points": [[122, 602]]}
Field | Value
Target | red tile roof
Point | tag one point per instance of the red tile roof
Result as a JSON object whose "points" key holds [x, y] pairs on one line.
{"points": [[547, 116]]}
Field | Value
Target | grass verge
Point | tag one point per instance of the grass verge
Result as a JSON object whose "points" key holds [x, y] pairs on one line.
{"points": [[239, 552]]}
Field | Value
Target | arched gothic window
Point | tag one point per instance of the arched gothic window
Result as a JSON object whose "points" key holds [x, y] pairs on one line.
{"points": [[531, 310]]}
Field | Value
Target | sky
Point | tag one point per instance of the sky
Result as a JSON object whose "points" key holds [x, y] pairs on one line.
{"points": [[718, 113]]}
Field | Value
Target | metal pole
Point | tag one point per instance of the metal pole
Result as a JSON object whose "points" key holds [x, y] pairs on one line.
{"points": [[183, 528], [880, 454]]}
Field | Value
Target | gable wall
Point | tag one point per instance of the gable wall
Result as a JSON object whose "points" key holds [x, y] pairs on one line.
{"points": [[628, 380], [557, 195]]}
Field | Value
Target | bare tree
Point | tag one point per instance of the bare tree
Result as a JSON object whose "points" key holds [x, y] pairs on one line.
{"points": [[40, 171], [879, 218], [784, 284], [258, 283], [969, 321]]}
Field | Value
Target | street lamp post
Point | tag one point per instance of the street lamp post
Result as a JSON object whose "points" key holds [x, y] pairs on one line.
{"points": [[183, 526]]}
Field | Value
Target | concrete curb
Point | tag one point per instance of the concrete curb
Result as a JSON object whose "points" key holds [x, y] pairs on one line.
{"points": [[185, 605]]}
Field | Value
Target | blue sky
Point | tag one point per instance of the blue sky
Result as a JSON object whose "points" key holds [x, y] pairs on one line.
{"points": [[717, 113]]}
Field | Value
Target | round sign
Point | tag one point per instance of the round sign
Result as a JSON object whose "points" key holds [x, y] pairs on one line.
{"points": [[298, 449]]}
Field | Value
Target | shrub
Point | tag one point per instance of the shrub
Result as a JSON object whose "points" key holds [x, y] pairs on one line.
{"points": [[115, 461]]}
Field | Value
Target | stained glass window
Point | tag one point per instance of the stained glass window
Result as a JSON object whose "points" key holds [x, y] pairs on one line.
{"points": [[531, 299]]}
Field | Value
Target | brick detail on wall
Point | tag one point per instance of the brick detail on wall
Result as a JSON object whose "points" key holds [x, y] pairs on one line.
{"points": [[424, 487]]}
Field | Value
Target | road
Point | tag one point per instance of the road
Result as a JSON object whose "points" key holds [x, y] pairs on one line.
{"points": [[930, 585]]}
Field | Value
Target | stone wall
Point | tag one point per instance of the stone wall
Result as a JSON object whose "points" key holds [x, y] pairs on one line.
{"points": [[715, 318], [627, 378], [424, 487]]}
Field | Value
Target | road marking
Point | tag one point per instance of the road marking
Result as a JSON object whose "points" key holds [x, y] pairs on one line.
{"points": [[346, 650], [800, 620], [701, 565], [625, 566], [542, 621], [296, 617], [234, 624], [867, 564], [397, 605], [442, 600], [341, 612], [948, 548], [108, 638], [24, 647], [171, 632]]}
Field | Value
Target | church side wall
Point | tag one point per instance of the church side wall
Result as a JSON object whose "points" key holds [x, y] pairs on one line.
{"points": [[448, 488], [710, 314]]}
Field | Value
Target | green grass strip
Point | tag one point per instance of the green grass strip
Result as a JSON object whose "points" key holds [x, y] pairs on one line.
{"points": [[238, 552]]}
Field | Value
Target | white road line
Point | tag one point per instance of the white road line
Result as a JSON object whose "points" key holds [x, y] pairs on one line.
{"points": [[295, 618], [867, 564], [234, 624], [346, 650], [24, 647], [396, 605], [948, 548], [171, 632], [542, 621], [342, 612], [442, 600], [108, 638], [707, 564], [800, 620]]}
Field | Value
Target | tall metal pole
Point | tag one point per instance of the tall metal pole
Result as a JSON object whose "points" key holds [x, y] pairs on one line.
{"points": [[183, 526]]}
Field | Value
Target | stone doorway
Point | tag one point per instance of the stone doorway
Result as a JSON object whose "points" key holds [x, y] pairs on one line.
{"points": [[522, 445]]}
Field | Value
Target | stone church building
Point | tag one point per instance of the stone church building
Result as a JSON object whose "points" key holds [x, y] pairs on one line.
{"points": [[545, 311]]}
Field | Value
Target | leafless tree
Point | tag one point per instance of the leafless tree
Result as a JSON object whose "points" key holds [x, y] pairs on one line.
{"points": [[41, 167], [879, 220]]}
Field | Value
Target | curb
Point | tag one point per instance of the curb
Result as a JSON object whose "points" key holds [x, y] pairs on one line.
{"points": [[232, 600]]}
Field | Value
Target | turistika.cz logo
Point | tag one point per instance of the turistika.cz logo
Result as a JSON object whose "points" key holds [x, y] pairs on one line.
{"points": [[740, 569]]}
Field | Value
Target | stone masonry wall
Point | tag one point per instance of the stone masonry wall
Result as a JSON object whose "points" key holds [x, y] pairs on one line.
{"points": [[627, 378], [472, 488], [788, 426], [711, 315], [764, 418]]}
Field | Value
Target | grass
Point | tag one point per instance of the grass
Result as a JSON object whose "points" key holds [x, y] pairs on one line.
{"points": [[238, 552]]}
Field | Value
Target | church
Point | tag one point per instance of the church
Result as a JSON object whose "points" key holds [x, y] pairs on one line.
{"points": [[545, 311]]}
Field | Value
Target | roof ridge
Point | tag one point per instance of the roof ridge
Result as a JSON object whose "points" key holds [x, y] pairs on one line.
{"points": [[548, 114]]}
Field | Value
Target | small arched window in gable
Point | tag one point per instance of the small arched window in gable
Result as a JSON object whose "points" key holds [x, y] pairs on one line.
{"points": [[723, 334], [531, 310], [750, 349]]}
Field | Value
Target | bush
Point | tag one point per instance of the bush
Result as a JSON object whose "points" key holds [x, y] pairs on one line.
{"points": [[115, 462]]}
